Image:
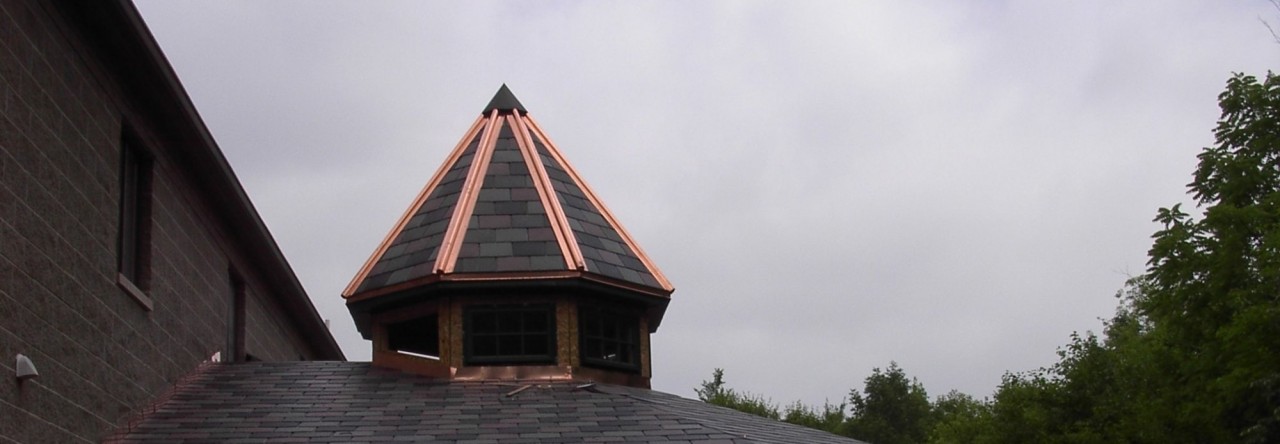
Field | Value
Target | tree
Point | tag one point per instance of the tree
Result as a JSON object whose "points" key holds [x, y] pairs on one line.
{"points": [[830, 418], [1193, 352], [716, 393], [1213, 284], [891, 409], [960, 419], [1191, 355]]}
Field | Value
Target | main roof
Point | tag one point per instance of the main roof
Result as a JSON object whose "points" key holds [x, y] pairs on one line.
{"points": [[356, 402], [506, 205]]}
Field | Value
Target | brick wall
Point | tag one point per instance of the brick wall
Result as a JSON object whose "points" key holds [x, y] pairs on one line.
{"points": [[101, 354]]}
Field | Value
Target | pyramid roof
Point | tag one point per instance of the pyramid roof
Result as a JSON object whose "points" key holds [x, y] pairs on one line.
{"points": [[506, 205]]}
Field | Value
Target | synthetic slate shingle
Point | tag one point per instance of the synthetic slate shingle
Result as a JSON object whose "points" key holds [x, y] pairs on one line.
{"points": [[413, 251], [508, 204], [351, 402], [594, 234]]}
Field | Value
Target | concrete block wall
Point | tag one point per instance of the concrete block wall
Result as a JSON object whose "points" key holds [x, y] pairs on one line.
{"points": [[101, 354]]}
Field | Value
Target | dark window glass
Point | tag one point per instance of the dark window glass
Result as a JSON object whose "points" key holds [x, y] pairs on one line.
{"points": [[502, 335], [135, 215], [418, 336], [609, 338], [236, 335]]}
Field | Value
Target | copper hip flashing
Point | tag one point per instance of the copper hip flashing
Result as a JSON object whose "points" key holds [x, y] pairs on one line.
{"points": [[417, 203], [546, 194], [554, 152], [447, 258]]}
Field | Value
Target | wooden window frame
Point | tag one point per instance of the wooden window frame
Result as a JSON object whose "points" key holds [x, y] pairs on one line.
{"points": [[623, 338], [475, 331], [402, 338], [133, 261]]}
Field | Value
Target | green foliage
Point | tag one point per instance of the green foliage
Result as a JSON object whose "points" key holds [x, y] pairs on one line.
{"points": [[960, 419], [891, 409], [830, 418], [1193, 352], [1212, 297], [716, 393], [1191, 355]]}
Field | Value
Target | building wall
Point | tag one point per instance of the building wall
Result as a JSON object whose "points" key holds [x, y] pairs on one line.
{"points": [[102, 355]]}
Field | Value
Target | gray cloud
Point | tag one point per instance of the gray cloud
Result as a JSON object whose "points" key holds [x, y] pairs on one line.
{"points": [[830, 185]]}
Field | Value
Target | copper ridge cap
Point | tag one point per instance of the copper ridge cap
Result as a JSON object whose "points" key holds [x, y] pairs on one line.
{"points": [[505, 102]]}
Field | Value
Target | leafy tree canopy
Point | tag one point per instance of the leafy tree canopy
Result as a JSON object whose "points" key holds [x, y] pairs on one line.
{"points": [[1191, 355]]}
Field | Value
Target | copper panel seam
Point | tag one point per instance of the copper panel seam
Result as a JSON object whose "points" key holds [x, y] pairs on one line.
{"points": [[467, 200], [644, 258], [569, 249], [413, 209]]}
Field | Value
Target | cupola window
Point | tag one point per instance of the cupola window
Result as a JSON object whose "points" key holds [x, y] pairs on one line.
{"points": [[609, 338], [418, 337], [510, 334]]}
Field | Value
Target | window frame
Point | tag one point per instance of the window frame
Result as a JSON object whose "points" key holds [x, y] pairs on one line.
{"points": [[133, 243], [627, 327], [400, 333], [238, 317], [472, 334]]}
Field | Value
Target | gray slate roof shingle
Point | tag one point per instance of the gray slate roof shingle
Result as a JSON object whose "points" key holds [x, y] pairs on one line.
{"points": [[413, 251], [330, 402]]}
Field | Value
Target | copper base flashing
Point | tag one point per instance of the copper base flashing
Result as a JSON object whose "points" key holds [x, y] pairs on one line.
{"points": [[505, 373]]}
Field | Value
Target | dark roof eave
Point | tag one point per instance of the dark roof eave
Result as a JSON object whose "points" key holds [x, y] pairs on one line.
{"points": [[153, 80], [362, 304]]}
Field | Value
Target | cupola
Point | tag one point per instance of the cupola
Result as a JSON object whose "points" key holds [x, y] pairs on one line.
{"points": [[508, 266]]}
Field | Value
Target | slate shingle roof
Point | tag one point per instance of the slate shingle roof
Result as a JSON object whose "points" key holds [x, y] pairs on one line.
{"points": [[506, 202], [356, 402]]}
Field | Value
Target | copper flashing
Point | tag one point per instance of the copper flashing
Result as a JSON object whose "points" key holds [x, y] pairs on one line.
{"points": [[513, 276], [514, 373], [408, 213], [447, 257], [395, 288], [546, 193], [644, 258], [550, 275], [509, 277], [663, 293], [412, 364]]}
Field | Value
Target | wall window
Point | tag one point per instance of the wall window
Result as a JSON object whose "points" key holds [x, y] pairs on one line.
{"points": [[510, 334], [609, 339], [134, 241], [236, 323]]}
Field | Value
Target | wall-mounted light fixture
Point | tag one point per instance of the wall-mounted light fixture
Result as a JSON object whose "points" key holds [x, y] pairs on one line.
{"points": [[26, 369]]}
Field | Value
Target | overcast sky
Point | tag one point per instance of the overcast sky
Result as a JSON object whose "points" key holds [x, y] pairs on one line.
{"points": [[955, 186]]}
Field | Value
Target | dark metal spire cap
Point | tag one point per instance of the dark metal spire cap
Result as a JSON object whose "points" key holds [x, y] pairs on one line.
{"points": [[505, 102]]}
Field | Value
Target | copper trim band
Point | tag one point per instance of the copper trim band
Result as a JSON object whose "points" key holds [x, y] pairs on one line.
{"points": [[644, 258], [509, 277], [546, 192], [413, 209], [467, 200]]}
